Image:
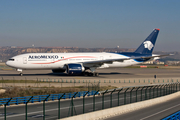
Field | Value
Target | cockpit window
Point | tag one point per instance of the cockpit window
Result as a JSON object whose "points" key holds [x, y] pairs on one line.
{"points": [[11, 59]]}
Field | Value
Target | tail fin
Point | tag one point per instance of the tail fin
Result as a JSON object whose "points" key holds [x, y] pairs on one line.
{"points": [[148, 44]]}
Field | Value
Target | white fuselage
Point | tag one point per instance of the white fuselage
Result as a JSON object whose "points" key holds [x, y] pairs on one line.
{"points": [[58, 60]]}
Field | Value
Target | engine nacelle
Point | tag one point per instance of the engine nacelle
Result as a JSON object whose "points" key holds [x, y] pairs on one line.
{"points": [[58, 70], [73, 68]]}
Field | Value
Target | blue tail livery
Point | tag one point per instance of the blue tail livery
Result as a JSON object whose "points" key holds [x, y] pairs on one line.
{"points": [[148, 44]]}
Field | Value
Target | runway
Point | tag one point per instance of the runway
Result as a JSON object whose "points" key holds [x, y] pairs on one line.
{"points": [[110, 73], [118, 77]]}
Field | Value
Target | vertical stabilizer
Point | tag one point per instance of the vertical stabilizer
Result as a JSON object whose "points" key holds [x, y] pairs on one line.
{"points": [[148, 44]]}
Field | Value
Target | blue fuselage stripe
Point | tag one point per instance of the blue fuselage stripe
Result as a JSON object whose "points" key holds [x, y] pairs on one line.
{"points": [[130, 54]]}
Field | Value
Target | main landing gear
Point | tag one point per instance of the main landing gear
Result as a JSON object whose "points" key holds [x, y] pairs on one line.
{"points": [[91, 74]]}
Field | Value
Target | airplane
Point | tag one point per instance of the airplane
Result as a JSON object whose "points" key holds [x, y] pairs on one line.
{"points": [[85, 63]]}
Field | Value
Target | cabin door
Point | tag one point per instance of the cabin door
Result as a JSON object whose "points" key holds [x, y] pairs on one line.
{"points": [[24, 60]]}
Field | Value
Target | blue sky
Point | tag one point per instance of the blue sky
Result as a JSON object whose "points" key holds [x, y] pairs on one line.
{"points": [[89, 23]]}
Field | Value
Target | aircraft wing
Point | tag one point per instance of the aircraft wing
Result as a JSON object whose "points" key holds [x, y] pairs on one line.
{"points": [[98, 63]]}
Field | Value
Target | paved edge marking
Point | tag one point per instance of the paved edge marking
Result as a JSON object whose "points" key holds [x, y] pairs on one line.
{"points": [[102, 114], [160, 112]]}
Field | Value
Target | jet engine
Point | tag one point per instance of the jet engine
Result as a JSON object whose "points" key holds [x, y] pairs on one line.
{"points": [[73, 68]]}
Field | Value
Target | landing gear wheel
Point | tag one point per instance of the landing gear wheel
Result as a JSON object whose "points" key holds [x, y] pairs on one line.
{"points": [[21, 74], [90, 74], [96, 74], [93, 74], [85, 73]]}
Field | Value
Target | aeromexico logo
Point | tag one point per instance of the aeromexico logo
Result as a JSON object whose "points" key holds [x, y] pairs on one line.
{"points": [[43, 57], [148, 45]]}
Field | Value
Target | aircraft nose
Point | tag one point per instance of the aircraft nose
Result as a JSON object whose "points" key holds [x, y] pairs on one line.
{"points": [[7, 63]]}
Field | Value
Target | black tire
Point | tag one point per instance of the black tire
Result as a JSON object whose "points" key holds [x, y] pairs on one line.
{"points": [[85, 73], [90, 74], [96, 74]]}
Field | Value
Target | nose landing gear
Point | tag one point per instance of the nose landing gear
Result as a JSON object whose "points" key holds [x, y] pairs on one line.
{"points": [[20, 70], [21, 74]]}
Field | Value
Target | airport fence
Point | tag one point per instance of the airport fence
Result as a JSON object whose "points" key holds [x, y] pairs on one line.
{"points": [[58, 82], [98, 100], [109, 81]]}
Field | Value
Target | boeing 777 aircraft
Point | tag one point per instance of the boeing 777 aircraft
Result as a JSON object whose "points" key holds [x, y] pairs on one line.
{"points": [[81, 63]]}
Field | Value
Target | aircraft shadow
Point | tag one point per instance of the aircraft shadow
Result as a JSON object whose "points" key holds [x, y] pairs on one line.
{"points": [[64, 74], [114, 73]]}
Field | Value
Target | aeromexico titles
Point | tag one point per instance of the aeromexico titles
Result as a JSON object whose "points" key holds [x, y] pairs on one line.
{"points": [[85, 63]]}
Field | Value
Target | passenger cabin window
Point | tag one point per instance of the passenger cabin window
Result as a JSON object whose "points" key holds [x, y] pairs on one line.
{"points": [[11, 59]]}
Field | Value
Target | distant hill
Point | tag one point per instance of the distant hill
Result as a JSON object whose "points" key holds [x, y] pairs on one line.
{"points": [[8, 52]]}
